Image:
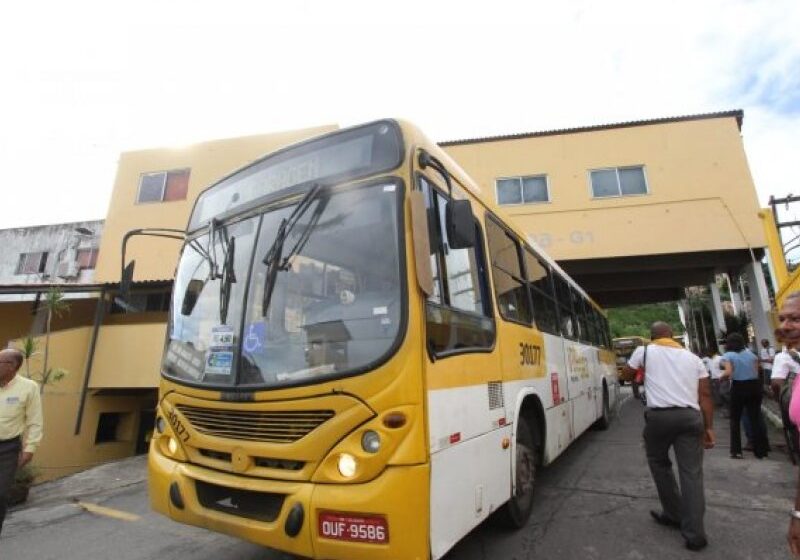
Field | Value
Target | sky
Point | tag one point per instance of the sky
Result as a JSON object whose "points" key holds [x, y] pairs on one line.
{"points": [[83, 81]]}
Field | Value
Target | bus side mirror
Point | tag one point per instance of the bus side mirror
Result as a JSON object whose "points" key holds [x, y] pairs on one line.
{"points": [[191, 296], [460, 224]]}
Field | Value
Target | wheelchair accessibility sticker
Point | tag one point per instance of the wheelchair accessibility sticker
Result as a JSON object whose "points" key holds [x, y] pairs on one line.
{"points": [[255, 337]]}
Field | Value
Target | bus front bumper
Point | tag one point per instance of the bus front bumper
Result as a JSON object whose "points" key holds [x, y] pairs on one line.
{"points": [[286, 515]]}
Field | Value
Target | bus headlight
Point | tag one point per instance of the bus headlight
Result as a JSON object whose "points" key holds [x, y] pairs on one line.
{"points": [[347, 465], [371, 441], [172, 446]]}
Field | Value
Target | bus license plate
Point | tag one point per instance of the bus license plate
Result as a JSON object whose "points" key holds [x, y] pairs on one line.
{"points": [[372, 529]]}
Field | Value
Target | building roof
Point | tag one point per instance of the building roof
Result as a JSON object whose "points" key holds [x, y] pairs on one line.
{"points": [[738, 114], [78, 288]]}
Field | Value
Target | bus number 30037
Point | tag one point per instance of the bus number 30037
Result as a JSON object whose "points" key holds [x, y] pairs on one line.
{"points": [[529, 354]]}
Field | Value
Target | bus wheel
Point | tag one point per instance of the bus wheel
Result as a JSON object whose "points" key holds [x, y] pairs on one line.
{"points": [[605, 420], [518, 509]]}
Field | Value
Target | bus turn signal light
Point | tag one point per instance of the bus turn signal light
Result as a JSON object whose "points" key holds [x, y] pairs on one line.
{"points": [[394, 420]]}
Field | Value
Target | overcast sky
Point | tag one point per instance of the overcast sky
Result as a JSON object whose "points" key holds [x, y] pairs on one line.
{"points": [[83, 81]]}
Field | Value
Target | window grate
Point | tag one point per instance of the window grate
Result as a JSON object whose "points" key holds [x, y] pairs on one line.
{"points": [[274, 426], [495, 395]]}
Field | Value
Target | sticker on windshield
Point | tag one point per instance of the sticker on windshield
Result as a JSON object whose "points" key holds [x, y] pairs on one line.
{"points": [[221, 337], [388, 188], [380, 310], [219, 362], [255, 336]]}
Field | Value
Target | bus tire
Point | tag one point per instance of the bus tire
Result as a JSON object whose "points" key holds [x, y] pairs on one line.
{"points": [[517, 510], [604, 421]]}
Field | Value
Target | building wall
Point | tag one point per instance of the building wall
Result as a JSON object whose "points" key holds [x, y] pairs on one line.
{"points": [[55, 239], [63, 452], [701, 193], [207, 162], [128, 356]]}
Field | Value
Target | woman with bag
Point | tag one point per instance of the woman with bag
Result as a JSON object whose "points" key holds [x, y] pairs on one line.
{"points": [[741, 366]]}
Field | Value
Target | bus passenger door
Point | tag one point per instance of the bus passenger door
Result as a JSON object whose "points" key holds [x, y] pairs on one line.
{"points": [[466, 414]]}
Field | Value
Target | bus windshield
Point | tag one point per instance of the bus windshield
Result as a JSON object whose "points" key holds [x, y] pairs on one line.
{"points": [[335, 305]]}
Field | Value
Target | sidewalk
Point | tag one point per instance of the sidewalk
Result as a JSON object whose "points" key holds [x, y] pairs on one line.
{"points": [[97, 480]]}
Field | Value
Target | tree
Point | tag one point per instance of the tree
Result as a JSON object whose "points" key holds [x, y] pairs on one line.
{"points": [[54, 305], [635, 320]]}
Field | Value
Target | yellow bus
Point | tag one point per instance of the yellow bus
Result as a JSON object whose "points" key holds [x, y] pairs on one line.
{"points": [[364, 357], [623, 348]]}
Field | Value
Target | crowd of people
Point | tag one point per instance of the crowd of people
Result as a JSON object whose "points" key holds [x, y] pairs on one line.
{"points": [[682, 391]]}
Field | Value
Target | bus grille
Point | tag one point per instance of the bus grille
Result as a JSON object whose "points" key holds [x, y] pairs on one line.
{"points": [[253, 425]]}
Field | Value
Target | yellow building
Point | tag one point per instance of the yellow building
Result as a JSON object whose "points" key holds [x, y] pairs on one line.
{"points": [[104, 408], [637, 211], [634, 211]]}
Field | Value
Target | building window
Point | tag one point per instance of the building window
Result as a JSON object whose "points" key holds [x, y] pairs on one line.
{"points": [[32, 263], [86, 258], [108, 427], [523, 190], [618, 181], [163, 186]]}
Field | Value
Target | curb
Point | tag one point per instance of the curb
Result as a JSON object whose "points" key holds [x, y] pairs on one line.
{"points": [[771, 417]]}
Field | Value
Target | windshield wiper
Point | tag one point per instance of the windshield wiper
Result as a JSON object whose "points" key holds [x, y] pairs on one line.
{"points": [[273, 258], [228, 277]]}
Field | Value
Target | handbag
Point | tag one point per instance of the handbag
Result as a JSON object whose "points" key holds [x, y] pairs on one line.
{"points": [[639, 377]]}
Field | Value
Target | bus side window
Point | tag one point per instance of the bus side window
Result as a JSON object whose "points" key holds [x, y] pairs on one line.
{"points": [[458, 312], [540, 282], [566, 317], [509, 286]]}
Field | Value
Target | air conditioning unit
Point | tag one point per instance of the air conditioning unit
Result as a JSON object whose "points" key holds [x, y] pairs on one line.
{"points": [[67, 269]]}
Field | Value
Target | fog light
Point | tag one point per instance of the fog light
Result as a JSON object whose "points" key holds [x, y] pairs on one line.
{"points": [[371, 441], [347, 465], [160, 425], [172, 446]]}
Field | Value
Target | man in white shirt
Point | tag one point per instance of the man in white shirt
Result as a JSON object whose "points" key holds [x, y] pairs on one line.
{"points": [[679, 415], [783, 366], [715, 371]]}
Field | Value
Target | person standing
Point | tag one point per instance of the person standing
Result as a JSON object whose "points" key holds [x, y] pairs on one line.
{"points": [[766, 357], [715, 372], [679, 415], [20, 422], [785, 365], [746, 393]]}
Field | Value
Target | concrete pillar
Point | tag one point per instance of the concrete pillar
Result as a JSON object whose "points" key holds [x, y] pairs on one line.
{"points": [[759, 302], [689, 326], [717, 316], [736, 295]]}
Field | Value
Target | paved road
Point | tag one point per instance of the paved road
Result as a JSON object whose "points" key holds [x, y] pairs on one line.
{"points": [[592, 503]]}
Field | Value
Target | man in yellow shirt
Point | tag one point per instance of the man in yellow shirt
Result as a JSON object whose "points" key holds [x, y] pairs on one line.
{"points": [[20, 421]]}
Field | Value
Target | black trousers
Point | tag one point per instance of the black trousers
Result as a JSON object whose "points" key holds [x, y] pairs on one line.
{"points": [[9, 457], [682, 429], [747, 395]]}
